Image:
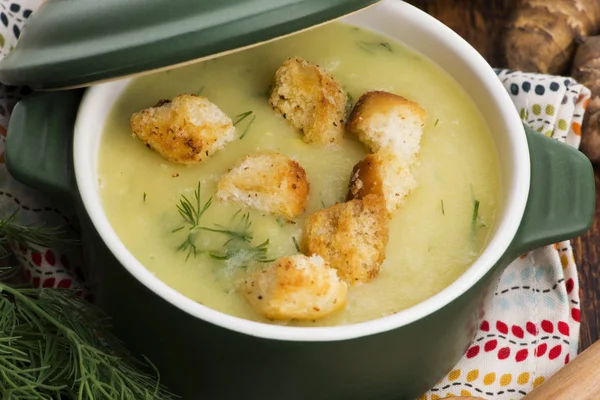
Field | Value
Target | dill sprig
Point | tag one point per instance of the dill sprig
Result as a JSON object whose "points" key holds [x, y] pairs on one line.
{"points": [[296, 245], [240, 232], [372, 47], [237, 248], [238, 251], [247, 127], [55, 345], [191, 214], [474, 217], [242, 256], [243, 116], [8, 272], [32, 235]]}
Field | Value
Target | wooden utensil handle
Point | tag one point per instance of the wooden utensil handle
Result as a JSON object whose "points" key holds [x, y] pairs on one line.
{"points": [[578, 380]]}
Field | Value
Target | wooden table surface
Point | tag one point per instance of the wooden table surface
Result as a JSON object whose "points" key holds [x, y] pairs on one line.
{"points": [[481, 23]]}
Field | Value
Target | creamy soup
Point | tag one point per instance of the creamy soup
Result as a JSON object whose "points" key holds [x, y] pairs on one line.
{"points": [[437, 233]]}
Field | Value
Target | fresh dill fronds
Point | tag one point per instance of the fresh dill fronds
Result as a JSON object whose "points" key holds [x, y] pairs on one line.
{"points": [[443, 212], [247, 127], [55, 345], [387, 46], [349, 102], [372, 47], [241, 231], [296, 244], [32, 235], [238, 251], [199, 91], [144, 197], [474, 217], [191, 214], [242, 256], [437, 121], [7, 273], [280, 221], [241, 117], [323, 204], [350, 98]]}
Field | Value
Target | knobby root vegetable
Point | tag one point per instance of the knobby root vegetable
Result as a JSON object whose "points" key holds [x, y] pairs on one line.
{"points": [[586, 70], [542, 35]]}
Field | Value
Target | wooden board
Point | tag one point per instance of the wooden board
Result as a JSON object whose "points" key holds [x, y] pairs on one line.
{"points": [[482, 23]]}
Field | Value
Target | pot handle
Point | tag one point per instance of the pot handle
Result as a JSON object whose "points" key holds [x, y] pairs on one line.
{"points": [[39, 142], [561, 196]]}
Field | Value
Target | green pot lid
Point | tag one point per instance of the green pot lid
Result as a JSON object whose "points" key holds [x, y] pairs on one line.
{"points": [[69, 43]]}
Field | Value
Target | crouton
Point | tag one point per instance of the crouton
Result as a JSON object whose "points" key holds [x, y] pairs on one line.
{"points": [[269, 182], [311, 99], [385, 120], [186, 130], [391, 127], [295, 287], [350, 236], [381, 174]]}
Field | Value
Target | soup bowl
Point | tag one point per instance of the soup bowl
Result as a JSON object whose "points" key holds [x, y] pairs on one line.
{"points": [[547, 195]]}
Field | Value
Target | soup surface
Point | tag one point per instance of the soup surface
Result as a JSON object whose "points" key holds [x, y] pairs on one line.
{"points": [[434, 237]]}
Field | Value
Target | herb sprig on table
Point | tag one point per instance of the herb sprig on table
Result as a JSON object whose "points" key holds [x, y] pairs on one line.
{"points": [[237, 249], [36, 235], [54, 344]]}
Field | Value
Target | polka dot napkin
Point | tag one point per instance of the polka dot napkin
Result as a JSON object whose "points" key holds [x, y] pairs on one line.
{"points": [[532, 327]]}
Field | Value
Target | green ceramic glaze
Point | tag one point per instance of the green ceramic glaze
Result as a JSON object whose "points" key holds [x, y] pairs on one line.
{"points": [[199, 360], [40, 151], [74, 43], [561, 197]]}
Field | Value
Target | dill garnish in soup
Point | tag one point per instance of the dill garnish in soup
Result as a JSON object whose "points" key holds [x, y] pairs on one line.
{"points": [[328, 178]]}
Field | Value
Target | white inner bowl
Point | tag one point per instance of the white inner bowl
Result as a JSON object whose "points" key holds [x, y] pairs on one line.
{"points": [[430, 38]]}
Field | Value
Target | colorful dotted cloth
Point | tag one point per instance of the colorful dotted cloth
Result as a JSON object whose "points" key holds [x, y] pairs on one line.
{"points": [[532, 327]]}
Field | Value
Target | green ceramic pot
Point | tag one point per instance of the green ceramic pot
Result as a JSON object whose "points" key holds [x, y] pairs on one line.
{"points": [[547, 196]]}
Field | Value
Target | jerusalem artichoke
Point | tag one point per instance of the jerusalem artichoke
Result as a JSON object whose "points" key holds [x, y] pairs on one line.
{"points": [[542, 35], [586, 70]]}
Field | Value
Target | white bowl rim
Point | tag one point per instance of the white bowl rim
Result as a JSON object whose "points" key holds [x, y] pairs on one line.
{"points": [[494, 251]]}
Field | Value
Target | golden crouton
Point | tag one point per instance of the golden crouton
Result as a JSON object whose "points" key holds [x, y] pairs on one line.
{"points": [[186, 130], [391, 127], [269, 182], [296, 287], [350, 236], [311, 99], [381, 174], [385, 120]]}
